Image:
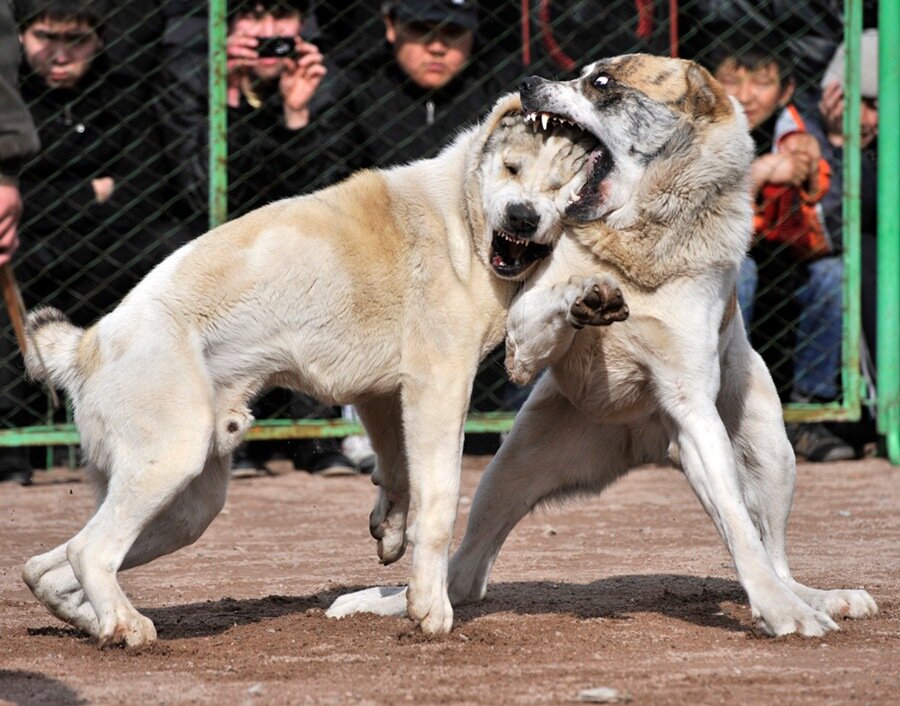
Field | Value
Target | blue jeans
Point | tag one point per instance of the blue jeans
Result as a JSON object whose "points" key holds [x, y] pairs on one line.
{"points": [[817, 358], [747, 281]]}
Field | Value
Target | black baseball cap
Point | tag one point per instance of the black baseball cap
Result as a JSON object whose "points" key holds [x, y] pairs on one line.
{"points": [[456, 12]]}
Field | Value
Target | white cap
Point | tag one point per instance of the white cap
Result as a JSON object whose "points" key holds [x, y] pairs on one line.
{"points": [[868, 59]]}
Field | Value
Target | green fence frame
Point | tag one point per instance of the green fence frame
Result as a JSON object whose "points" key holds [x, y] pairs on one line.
{"points": [[888, 352], [888, 347]]}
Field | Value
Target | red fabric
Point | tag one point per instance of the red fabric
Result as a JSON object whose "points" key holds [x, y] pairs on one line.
{"points": [[787, 214]]}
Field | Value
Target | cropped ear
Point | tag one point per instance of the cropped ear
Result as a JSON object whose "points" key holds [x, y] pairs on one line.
{"points": [[704, 96]]}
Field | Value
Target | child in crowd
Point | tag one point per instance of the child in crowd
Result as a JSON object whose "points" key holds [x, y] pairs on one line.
{"points": [[789, 178]]}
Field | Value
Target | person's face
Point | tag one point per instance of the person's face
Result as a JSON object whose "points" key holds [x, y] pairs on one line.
{"points": [[60, 52], [267, 25], [759, 91], [868, 115], [430, 54]]}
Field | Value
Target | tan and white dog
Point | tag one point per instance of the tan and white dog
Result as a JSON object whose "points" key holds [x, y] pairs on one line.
{"points": [[383, 291], [665, 211]]}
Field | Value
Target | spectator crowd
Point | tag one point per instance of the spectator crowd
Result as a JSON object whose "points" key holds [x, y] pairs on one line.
{"points": [[104, 152]]}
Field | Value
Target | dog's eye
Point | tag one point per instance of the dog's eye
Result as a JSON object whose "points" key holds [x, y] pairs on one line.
{"points": [[511, 167], [602, 81]]}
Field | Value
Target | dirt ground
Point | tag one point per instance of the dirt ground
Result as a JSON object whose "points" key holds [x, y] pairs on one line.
{"points": [[631, 590]]}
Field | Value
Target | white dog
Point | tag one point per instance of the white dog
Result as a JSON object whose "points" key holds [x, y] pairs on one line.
{"points": [[383, 291], [665, 211]]}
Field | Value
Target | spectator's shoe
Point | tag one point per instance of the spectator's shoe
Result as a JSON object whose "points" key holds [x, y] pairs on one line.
{"points": [[322, 457], [818, 444], [243, 465], [358, 449], [14, 466], [331, 464]]}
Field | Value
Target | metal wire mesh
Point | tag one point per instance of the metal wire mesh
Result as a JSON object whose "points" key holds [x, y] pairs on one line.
{"points": [[142, 119]]}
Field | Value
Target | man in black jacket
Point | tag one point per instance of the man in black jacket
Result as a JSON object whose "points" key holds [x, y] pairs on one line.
{"points": [[18, 140], [427, 87], [287, 132], [96, 219]]}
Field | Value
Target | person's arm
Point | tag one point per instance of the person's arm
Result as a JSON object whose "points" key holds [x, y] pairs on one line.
{"points": [[299, 81], [18, 138]]}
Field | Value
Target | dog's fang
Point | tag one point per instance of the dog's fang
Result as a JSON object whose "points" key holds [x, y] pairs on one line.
{"points": [[545, 118]]}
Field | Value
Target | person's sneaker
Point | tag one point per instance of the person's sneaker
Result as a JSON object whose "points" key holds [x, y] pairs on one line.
{"points": [[359, 450], [331, 464], [322, 457], [243, 465], [15, 466], [818, 444]]}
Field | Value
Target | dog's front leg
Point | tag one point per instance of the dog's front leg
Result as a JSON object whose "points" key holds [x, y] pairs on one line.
{"points": [[434, 410], [543, 322]]}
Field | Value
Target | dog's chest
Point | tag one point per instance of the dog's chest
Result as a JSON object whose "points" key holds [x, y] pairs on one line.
{"points": [[602, 375]]}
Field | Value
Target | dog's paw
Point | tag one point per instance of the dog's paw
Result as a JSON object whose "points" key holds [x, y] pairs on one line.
{"points": [[596, 301], [793, 617], [434, 617], [381, 600], [387, 524], [135, 631], [841, 603]]}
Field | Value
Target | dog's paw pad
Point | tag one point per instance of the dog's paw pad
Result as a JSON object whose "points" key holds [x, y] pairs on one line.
{"points": [[601, 303]]}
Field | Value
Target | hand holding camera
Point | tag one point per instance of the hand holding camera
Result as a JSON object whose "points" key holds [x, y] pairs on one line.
{"points": [[299, 81]]}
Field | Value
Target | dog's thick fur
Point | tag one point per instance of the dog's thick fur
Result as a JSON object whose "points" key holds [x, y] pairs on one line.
{"points": [[666, 213], [382, 292]]}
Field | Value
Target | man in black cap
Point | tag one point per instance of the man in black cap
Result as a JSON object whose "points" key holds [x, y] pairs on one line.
{"points": [[429, 86]]}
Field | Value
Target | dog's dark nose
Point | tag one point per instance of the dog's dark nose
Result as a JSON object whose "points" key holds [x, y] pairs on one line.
{"points": [[529, 84], [522, 219]]}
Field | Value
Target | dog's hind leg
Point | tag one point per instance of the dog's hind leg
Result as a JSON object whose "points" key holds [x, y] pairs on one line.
{"points": [[767, 480], [148, 480], [186, 518], [691, 396], [53, 583], [382, 419], [553, 449]]}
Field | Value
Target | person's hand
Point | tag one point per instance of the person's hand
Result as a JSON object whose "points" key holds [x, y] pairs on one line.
{"points": [[240, 52], [299, 81], [10, 212], [806, 146], [832, 109], [789, 168], [103, 188]]}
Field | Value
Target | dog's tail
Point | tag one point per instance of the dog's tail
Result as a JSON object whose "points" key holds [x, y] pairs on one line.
{"points": [[52, 347]]}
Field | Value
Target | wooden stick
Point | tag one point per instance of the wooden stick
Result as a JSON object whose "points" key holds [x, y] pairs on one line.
{"points": [[15, 307]]}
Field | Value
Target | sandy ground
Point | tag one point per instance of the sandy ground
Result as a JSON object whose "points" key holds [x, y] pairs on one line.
{"points": [[631, 591]]}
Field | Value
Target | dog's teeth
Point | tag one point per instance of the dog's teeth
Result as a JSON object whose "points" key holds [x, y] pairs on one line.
{"points": [[544, 120]]}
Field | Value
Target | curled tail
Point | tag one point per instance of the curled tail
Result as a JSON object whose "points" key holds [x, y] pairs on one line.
{"points": [[53, 343]]}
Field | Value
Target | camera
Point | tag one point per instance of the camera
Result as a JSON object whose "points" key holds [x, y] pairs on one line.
{"points": [[278, 47]]}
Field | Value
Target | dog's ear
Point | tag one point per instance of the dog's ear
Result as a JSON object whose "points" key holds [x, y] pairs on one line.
{"points": [[704, 96], [507, 109]]}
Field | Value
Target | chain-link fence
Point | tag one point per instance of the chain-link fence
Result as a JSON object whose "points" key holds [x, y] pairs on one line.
{"points": [[124, 175]]}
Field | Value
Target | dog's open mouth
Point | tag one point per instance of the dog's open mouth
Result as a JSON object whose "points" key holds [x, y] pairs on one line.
{"points": [[584, 202], [511, 255]]}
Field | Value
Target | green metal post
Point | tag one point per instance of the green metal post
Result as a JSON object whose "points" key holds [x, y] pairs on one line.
{"points": [[218, 117], [850, 374], [888, 258]]}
